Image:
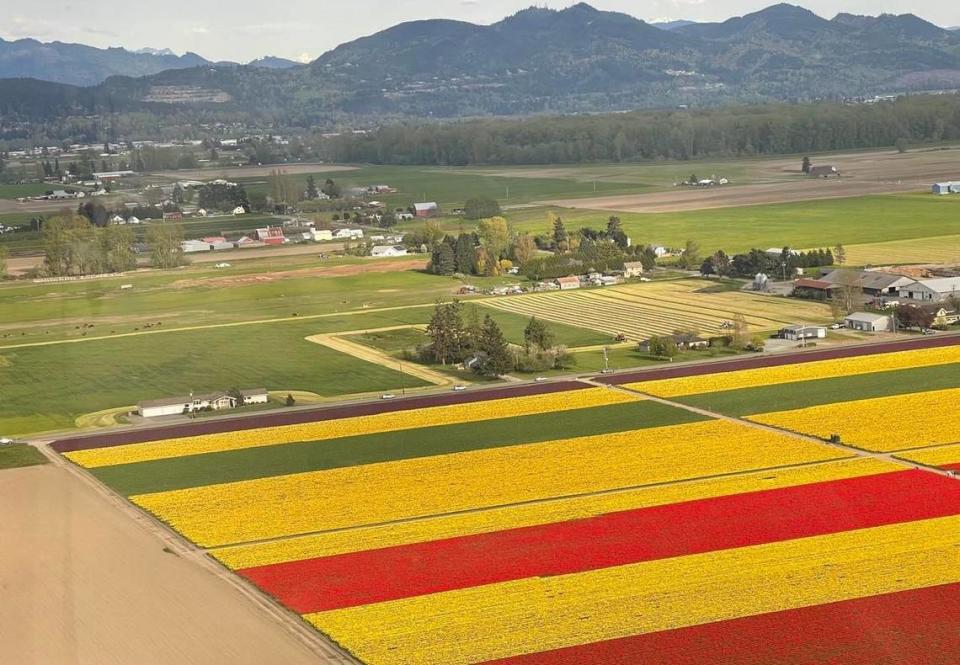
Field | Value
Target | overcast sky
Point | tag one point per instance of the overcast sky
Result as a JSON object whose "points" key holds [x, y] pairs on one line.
{"points": [[241, 30]]}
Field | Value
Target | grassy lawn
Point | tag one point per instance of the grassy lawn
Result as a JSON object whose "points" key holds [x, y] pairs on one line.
{"points": [[201, 295], [787, 396], [20, 454], [48, 387], [235, 465]]}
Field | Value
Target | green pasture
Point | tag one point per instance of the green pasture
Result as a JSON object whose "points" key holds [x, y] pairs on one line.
{"points": [[802, 225], [20, 454], [266, 461], [28, 189], [47, 387], [198, 295]]}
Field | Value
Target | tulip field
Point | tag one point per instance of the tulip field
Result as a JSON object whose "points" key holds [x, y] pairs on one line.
{"points": [[672, 516]]}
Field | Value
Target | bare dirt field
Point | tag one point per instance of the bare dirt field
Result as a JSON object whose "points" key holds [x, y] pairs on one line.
{"points": [[780, 181], [320, 271], [253, 171], [17, 265], [85, 582]]}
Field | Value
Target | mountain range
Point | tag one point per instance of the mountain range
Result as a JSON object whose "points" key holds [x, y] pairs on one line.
{"points": [[538, 60], [77, 64]]}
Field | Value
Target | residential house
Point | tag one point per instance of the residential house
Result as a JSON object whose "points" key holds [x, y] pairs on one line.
{"points": [[117, 219], [568, 283], [632, 269], [931, 290], [660, 251], [943, 315], [214, 401], [799, 332], [239, 210], [388, 250], [824, 171], [173, 215], [133, 219], [202, 212], [868, 322], [429, 209]]}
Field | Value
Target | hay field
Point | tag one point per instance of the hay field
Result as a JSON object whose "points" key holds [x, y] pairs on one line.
{"points": [[641, 310]]}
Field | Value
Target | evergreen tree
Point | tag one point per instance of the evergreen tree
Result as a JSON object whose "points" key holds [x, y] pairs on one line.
{"points": [[492, 345], [446, 333], [537, 336], [805, 165], [561, 240], [312, 191], [442, 260], [465, 253]]}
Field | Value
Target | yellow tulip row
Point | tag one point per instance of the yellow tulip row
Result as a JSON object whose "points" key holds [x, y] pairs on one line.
{"points": [[353, 426], [883, 424], [538, 614], [820, 369], [935, 456], [558, 510], [245, 511]]}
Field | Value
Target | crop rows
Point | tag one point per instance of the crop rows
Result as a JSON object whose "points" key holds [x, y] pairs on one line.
{"points": [[589, 524]]}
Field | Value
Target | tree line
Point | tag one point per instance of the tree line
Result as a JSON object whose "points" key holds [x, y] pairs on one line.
{"points": [[650, 135], [72, 245]]}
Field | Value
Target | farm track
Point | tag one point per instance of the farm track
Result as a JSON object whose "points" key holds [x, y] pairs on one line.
{"points": [[337, 342]]}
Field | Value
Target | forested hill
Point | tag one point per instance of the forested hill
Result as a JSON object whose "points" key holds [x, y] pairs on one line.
{"points": [[542, 61]]}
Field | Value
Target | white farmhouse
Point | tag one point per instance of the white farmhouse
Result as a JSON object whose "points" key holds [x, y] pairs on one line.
{"points": [[172, 406]]}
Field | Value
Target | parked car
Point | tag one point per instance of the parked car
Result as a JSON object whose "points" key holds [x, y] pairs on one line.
{"points": [[387, 396], [540, 379], [459, 388]]}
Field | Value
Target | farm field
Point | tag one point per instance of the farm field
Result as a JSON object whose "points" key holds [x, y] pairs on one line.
{"points": [[617, 529], [935, 249], [642, 310], [19, 454], [845, 397], [807, 224]]}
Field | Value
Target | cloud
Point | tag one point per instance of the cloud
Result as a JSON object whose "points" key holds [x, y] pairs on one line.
{"points": [[199, 30]]}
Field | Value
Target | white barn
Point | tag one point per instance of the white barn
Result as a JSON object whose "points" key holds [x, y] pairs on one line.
{"points": [[931, 290], [867, 322]]}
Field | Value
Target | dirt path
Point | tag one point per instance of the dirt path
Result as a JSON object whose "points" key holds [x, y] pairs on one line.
{"points": [[84, 582], [337, 342]]}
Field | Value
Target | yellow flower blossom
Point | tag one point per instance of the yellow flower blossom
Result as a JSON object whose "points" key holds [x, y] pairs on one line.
{"points": [[883, 423], [244, 511], [819, 369]]}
